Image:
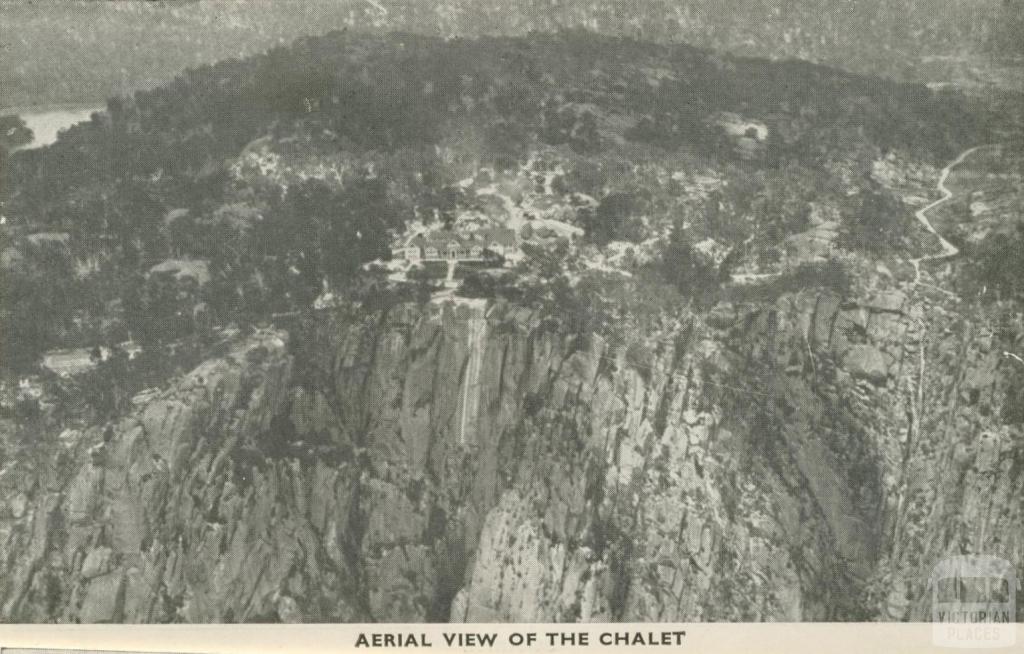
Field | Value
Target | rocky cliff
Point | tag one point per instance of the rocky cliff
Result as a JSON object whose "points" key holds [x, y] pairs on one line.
{"points": [[808, 460]]}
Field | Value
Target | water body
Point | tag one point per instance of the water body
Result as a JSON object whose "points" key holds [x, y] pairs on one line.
{"points": [[46, 124]]}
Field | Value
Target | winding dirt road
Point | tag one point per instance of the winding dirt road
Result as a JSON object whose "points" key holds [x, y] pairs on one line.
{"points": [[948, 249]]}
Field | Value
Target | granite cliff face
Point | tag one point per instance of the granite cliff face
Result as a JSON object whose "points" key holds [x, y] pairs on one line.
{"points": [[807, 461]]}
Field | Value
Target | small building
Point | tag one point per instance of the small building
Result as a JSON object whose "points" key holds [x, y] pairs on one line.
{"points": [[449, 245], [411, 253], [69, 363], [501, 241]]}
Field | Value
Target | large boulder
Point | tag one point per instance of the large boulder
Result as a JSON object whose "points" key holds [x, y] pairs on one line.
{"points": [[867, 362], [104, 597], [97, 563], [892, 302]]}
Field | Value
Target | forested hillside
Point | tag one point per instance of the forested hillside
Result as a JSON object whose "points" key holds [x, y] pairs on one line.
{"points": [[726, 369], [381, 129], [82, 51]]}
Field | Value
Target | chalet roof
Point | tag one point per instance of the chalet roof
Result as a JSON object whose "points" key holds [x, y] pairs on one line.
{"points": [[442, 238]]}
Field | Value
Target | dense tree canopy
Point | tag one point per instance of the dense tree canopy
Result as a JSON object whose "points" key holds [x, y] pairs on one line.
{"points": [[161, 175]]}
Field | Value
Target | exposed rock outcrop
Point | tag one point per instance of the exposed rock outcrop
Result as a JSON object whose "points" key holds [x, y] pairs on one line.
{"points": [[791, 463]]}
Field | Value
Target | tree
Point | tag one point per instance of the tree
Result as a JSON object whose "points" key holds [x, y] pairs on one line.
{"points": [[317, 234], [994, 269], [14, 132], [692, 273], [159, 308], [874, 220], [424, 284], [38, 301], [106, 388], [570, 126], [618, 217]]}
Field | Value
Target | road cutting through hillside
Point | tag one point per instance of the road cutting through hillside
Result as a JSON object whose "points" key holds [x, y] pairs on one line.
{"points": [[948, 249]]}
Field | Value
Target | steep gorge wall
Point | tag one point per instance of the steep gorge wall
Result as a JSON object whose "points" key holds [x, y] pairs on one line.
{"points": [[480, 464]]}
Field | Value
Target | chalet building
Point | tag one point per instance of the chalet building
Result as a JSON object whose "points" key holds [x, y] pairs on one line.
{"points": [[448, 245]]}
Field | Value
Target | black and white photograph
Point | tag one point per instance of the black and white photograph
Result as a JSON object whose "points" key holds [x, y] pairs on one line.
{"points": [[550, 311]]}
